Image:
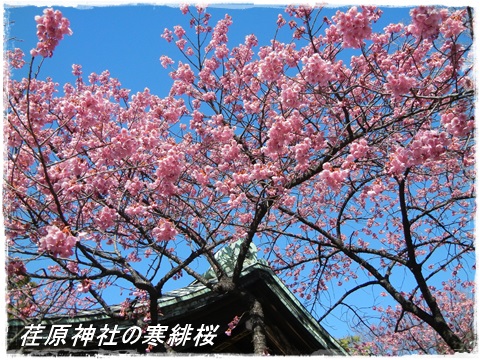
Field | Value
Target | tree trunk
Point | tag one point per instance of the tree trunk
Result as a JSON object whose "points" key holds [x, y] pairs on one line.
{"points": [[258, 327]]}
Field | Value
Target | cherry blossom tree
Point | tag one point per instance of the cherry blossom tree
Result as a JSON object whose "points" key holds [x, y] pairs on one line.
{"points": [[349, 173]]}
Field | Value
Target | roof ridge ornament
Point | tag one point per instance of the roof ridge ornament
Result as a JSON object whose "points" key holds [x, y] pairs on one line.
{"points": [[228, 255]]}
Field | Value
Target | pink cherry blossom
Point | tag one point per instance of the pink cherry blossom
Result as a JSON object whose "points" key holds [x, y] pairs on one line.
{"points": [[400, 84], [333, 178], [270, 68], [221, 51], [457, 122], [106, 217], [179, 31], [316, 70], [51, 27], [85, 285], [453, 25], [16, 267], [184, 9], [232, 325], [426, 21], [57, 242], [359, 149], [166, 61], [15, 58], [164, 231], [291, 94], [73, 267], [220, 31], [425, 147], [167, 35], [77, 70], [354, 26]]}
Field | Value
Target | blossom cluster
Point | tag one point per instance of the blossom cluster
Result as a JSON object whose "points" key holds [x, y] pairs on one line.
{"points": [[453, 25], [85, 285], [51, 27], [57, 242], [457, 123], [399, 85], [232, 325], [316, 70], [359, 149], [270, 68], [426, 21], [16, 267], [164, 231], [355, 27], [290, 95], [15, 58], [281, 134], [427, 145], [332, 177]]}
